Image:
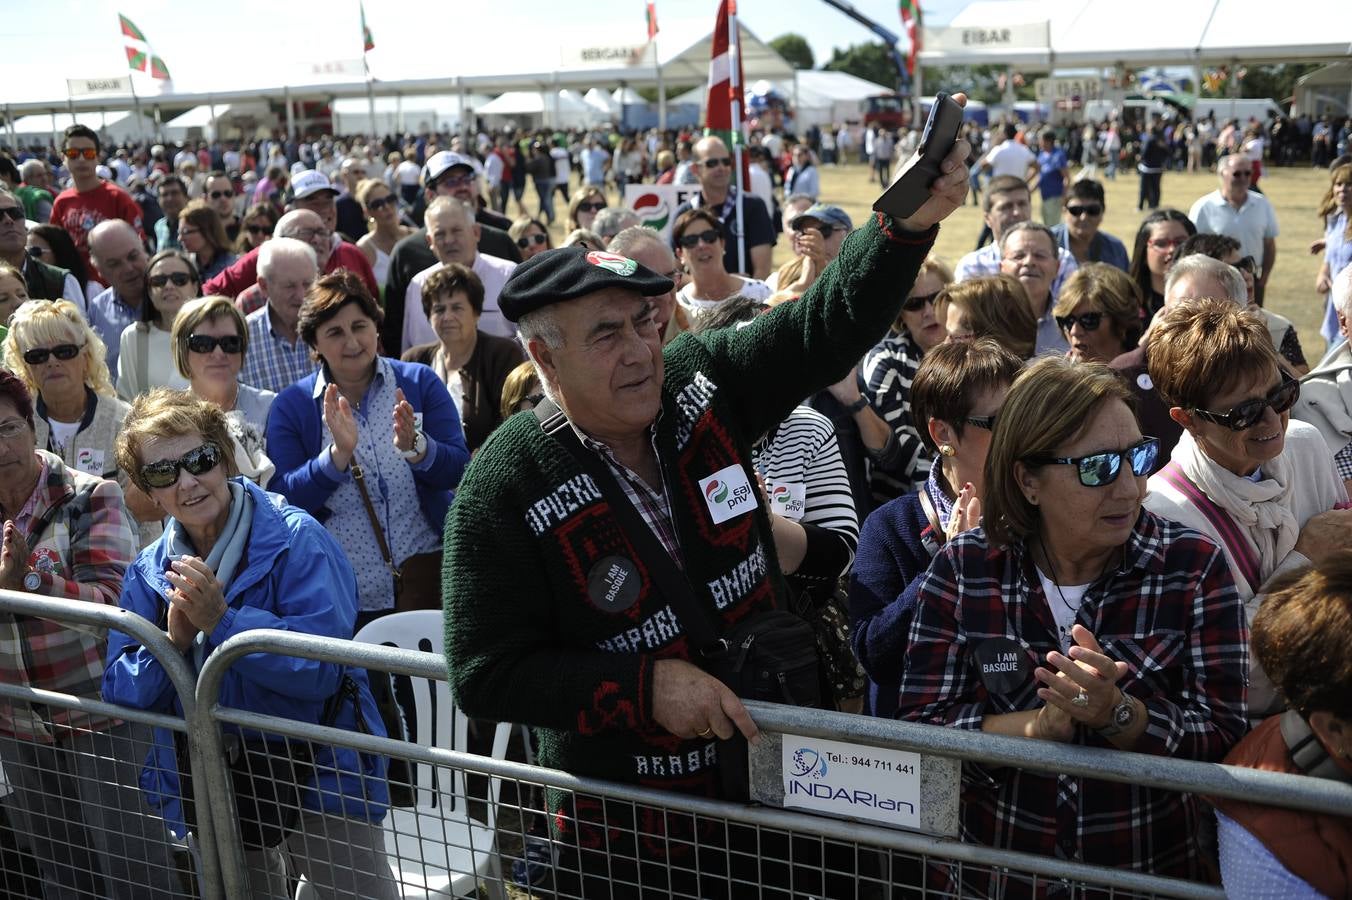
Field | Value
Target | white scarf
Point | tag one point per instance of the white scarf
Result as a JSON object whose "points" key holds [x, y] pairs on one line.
{"points": [[1262, 509]]}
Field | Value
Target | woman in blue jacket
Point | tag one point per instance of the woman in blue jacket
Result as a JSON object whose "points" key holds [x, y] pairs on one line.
{"points": [[234, 558], [395, 422]]}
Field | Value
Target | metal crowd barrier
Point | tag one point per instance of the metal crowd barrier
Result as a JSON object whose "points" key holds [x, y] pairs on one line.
{"points": [[635, 841]]}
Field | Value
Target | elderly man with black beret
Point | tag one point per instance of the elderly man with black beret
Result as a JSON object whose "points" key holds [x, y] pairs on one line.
{"points": [[557, 615]]}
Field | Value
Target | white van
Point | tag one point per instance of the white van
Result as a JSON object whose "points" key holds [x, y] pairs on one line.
{"points": [[1242, 109]]}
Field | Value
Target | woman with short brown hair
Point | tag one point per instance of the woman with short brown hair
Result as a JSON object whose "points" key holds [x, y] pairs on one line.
{"points": [[1099, 312], [994, 306], [202, 234]]}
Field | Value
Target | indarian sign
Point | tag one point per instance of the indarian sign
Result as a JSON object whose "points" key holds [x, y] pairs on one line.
{"points": [[852, 780]]}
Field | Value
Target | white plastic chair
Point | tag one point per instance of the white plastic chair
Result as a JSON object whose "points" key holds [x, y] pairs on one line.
{"points": [[429, 846]]}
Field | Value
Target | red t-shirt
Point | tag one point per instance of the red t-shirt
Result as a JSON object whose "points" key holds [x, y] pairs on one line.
{"points": [[243, 273], [78, 212]]}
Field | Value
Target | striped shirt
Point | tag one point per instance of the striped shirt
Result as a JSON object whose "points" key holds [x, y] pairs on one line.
{"points": [[273, 363], [886, 374], [802, 455]]}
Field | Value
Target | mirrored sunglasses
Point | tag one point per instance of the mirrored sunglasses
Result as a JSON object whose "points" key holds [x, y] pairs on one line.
{"points": [[1102, 469]]}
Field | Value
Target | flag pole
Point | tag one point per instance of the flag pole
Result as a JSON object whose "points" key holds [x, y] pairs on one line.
{"points": [[738, 134], [366, 69]]}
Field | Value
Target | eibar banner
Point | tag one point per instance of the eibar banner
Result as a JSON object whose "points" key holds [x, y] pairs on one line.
{"points": [[85, 87], [993, 39]]}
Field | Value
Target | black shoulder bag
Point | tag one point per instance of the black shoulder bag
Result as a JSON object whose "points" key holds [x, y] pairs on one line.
{"points": [[770, 656]]}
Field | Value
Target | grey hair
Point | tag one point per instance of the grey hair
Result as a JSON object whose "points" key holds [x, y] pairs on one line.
{"points": [[288, 221], [633, 237], [30, 168], [280, 248], [1199, 265], [1028, 226], [543, 325], [578, 235], [612, 220], [1342, 292], [440, 203]]}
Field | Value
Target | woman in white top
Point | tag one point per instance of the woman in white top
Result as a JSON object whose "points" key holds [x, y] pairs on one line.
{"points": [[1260, 485], [385, 230], [146, 358], [698, 236], [210, 339]]}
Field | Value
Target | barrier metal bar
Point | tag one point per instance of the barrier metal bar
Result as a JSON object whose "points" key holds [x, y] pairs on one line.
{"points": [[1185, 776], [427, 665], [79, 612]]}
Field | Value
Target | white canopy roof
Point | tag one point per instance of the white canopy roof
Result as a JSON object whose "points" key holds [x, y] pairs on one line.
{"points": [[119, 125], [601, 102]]}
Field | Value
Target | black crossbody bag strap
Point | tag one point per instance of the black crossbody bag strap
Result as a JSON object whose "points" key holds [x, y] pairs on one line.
{"points": [[670, 580]]}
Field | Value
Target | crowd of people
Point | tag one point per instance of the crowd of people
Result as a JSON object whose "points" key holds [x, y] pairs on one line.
{"points": [[1073, 487]]}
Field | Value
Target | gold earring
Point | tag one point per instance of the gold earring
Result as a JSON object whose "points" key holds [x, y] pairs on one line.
{"points": [[946, 450]]}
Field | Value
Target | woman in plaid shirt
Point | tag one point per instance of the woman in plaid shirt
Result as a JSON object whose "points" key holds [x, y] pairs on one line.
{"points": [[1074, 615]]}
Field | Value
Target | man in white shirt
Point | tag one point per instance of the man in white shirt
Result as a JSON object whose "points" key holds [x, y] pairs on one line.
{"points": [[453, 236], [1009, 157], [1242, 214], [1007, 202]]}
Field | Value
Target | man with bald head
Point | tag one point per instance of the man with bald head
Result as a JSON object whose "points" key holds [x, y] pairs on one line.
{"points": [[119, 254], [713, 165], [277, 356], [1190, 278], [453, 235]]}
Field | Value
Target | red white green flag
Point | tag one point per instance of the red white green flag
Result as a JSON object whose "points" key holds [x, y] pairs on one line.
{"points": [[652, 19], [727, 101], [140, 58], [911, 19], [368, 42]]}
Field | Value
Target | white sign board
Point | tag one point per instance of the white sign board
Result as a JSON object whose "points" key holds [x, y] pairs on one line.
{"points": [[602, 56], [852, 781], [993, 38], [83, 87], [655, 204], [1052, 90]]}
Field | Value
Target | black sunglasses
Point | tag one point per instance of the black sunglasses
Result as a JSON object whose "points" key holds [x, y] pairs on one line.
{"points": [[15, 213], [259, 229], [524, 242], [381, 203], [826, 230], [1088, 321], [197, 462], [206, 343], [1245, 415], [217, 195], [1102, 469], [180, 279], [690, 241], [590, 207], [919, 301], [1246, 264], [715, 162], [986, 422], [1090, 209], [39, 355]]}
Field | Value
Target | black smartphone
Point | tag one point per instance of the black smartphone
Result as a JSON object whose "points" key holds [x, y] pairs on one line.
{"points": [[911, 188]]}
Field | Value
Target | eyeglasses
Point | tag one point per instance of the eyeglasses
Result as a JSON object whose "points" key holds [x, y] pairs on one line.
{"points": [[77, 152], [986, 422], [12, 429], [184, 231], [217, 195], [1245, 415], [380, 202], [1018, 256], [454, 181], [826, 230], [690, 241], [715, 162], [15, 213], [1241, 173], [1246, 264], [180, 279], [1166, 243], [1093, 210], [524, 242], [37, 252], [590, 207], [309, 235], [1102, 469], [206, 343], [1089, 321], [39, 355], [919, 301], [164, 473], [258, 229]]}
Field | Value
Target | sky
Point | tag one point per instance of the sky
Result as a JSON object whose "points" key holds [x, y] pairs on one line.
{"points": [[264, 39]]}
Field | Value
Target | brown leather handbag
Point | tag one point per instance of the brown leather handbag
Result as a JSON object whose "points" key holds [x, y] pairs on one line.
{"points": [[417, 583]]}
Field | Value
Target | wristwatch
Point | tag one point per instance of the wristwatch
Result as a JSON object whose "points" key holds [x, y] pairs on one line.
{"points": [[32, 581], [857, 405], [419, 446], [1121, 717]]}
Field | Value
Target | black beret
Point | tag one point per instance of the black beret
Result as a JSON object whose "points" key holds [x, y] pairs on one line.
{"points": [[572, 272]]}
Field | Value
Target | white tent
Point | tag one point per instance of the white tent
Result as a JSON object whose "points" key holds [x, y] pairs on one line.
{"points": [[627, 96], [602, 102], [1327, 90], [119, 126], [397, 115], [817, 98], [562, 109], [240, 119]]}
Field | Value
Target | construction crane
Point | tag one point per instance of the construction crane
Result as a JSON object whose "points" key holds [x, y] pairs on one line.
{"points": [[889, 39]]}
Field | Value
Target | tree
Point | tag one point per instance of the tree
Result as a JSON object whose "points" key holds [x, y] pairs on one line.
{"points": [[795, 50], [870, 62]]}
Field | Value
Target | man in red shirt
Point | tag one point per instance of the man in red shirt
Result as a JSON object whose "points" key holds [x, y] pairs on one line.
{"points": [[310, 190], [90, 200]]}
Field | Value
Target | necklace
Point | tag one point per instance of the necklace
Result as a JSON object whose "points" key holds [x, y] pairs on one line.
{"points": [[1056, 580]]}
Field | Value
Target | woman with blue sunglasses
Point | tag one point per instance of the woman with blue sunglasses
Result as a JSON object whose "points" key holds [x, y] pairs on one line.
{"points": [[1075, 615], [1260, 485]]}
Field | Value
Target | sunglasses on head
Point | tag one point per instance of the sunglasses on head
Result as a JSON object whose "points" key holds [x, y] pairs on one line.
{"points": [[1247, 264], [690, 241], [826, 230], [715, 162], [380, 202], [15, 213], [39, 355], [197, 462], [1245, 415], [918, 302], [180, 279], [1089, 321], [524, 242], [590, 207], [77, 152], [1089, 209], [217, 195], [1102, 469], [206, 343]]}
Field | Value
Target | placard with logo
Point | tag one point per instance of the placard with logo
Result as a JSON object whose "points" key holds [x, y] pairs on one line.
{"points": [[727, 493], [852, 780]]}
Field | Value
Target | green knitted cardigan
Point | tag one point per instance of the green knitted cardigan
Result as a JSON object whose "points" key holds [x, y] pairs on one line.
{"points": [[525, 644]]}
